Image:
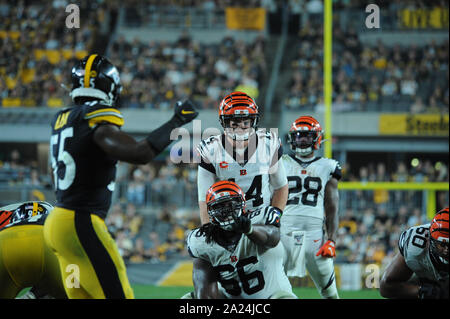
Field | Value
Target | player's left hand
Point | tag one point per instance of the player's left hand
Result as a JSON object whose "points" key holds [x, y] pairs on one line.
{"points": [[242, 224], [328, 249]]}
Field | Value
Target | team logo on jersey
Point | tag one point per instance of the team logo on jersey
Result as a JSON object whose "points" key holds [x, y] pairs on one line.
{"points": [[223, 164], [304, 171], [233, 259], [243, 172]]}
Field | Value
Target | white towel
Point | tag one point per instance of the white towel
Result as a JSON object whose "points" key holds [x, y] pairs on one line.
{"points": [[295, 244]]}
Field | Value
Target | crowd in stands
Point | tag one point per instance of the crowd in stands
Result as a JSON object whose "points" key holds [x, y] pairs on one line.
{"points": [[156, 204], [37, 50], [370, 221], [376, 78], [157, 74]]}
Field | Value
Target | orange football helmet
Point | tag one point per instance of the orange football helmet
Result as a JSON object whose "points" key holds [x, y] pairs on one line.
{"points": [[225, 199], [305, 126], [439, 237], [238, 105]]}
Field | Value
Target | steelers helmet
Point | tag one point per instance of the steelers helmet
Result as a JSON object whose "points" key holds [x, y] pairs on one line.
{"points": [[94, 77]]}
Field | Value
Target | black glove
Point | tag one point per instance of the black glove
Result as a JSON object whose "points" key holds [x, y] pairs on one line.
{"points": [[159, 139], [242, 224], [185, 112], [429, 290]]}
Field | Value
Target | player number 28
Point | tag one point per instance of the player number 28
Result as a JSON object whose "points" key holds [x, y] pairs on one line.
{"points": [[312, 186]]}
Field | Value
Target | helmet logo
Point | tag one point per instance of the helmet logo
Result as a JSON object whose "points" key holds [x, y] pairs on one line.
{"points": [[221, 194], [240, 112]]}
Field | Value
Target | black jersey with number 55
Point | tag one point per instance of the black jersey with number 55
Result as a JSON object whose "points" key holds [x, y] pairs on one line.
{"points": [[83, 173]]}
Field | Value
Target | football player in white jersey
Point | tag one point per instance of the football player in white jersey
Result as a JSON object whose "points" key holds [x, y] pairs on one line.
{"points": [[238, 254], [244, 155], [421, 268], [313, 201]]}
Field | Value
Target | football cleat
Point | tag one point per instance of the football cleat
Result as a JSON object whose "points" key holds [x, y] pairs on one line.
{"points": [[238, 106], [439, 237], [94, 77], [305, 135], [225, 200]]}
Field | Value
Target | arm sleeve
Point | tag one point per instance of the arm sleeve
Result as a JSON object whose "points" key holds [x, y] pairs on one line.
{"points": [[272, 216], [205, 179], [337, 173], [402, 243], [277, 175]]}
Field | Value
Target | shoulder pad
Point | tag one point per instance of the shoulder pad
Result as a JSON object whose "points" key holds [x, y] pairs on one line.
{"points": [[413, 240], [96, 113], [195, 241]]}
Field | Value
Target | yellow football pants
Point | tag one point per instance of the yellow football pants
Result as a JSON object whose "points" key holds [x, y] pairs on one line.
{"points": [[90, 263], [25, 261]]}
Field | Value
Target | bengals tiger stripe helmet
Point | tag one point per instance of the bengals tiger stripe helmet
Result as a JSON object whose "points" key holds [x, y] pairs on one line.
{"points": [[95, 77], [225, 199], [5, 217], [305, 126], [439, 237], [238, 105]]}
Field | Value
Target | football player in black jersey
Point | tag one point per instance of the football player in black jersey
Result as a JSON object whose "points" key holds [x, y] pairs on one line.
{"points": [[25, 259], [85, 145]]}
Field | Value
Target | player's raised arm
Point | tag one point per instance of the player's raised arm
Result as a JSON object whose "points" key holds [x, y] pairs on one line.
{"points": [[266, 235], [122, 146]]}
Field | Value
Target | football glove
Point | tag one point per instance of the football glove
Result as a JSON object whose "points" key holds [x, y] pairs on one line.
{"points": [[429, 290], [185, 112], [328, 249], [242, 224]]}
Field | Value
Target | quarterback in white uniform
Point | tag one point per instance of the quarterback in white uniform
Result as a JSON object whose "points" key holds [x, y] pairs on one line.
{"points": [[423, 252], [312, 202], [242, 154], [239, 253]]}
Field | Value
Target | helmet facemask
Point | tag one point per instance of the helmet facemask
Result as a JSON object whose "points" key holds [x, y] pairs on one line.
{"points": [[224, 210], [235, 131], [303, 143], [439, 249]]}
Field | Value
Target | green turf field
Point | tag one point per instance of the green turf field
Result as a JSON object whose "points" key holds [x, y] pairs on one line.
{"points": [[158, 292]]}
